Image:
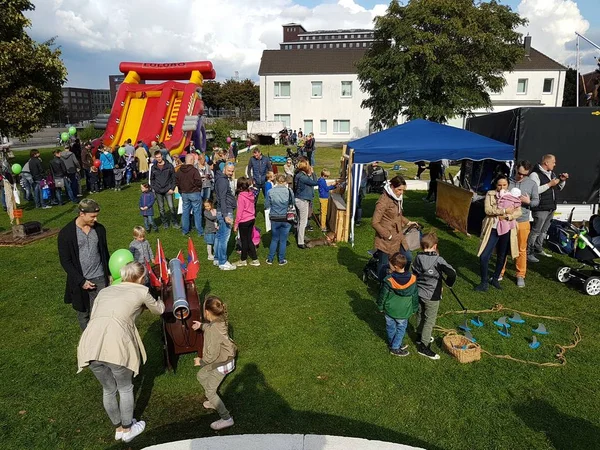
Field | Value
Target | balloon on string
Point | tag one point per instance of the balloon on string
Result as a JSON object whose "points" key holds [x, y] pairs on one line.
{"points": [[16, 169], [72, 131], [97, 163], [117, 260], [121, 151], [228, 140], [64, 136]]}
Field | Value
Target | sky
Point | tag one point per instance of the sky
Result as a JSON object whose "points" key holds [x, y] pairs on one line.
{"points": [[96, 35]]}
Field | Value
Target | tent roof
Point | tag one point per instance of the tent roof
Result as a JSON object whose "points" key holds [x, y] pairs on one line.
{"points": [[422, 140]]}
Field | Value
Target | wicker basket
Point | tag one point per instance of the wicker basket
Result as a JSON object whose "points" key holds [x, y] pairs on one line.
{"points": [[462, 348]]}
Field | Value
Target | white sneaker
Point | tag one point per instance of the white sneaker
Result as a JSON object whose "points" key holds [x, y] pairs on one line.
{"points": [[215, 262], [119, 434], [240, 263], [208, 405], [135, 430], [227, 266], [221, 424], [211, 258], [255, 262]]}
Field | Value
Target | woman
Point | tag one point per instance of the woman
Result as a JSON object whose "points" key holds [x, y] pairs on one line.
{"points": [[107, 164], [389, 224], [305, 193], [277, 201], [142, 162], [207, 177], [111, 345], [490, 239]]}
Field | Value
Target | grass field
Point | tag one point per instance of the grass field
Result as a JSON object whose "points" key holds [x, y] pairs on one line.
{"points": [[313, 357]]}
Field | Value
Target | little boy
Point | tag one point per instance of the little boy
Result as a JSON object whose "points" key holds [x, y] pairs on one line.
{"points": [[324, 196], [429, 267], [398, 300], [140, 247], [118, 173]]}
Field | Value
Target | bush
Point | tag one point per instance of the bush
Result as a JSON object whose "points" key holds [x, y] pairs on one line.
{"points": [[89, 133], [221, 128]]}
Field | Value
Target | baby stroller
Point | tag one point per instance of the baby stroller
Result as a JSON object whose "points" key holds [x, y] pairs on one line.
{"points": [[292, 155], [370, 271], [578, 243], [376, 181]]}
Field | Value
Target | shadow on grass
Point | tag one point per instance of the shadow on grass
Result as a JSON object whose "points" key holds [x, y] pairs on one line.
{"points": [[366, 310], [144, 384], [258, 408], [348, 258], [563, 431]]}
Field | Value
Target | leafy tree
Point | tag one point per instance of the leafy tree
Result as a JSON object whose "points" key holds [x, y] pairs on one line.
{"points": [[210, 94], [244, 95], [31, 74], [437, 59], [570, 93]]}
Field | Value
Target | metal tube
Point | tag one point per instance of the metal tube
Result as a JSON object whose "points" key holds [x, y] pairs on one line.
{"points": [[181, 307]]}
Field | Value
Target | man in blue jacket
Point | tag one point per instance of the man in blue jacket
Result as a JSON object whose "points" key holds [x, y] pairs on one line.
{"points": [[258, 166]]}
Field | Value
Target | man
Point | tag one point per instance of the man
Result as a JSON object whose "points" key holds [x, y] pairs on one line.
{"points": [[529, 199], [189, 182], [162, 181], [83, 253], [87, 160], [37, 174], [59, 173], [225, 204], [548, 185], [129, 149], [258, 166], [72, 168]]}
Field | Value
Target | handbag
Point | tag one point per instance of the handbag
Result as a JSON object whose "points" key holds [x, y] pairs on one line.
{"points": [[291, 215], [412, 236], [59, 182]]}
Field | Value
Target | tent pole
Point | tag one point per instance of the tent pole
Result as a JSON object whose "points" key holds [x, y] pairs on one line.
{"points": [[577, 68], [349, 194]]}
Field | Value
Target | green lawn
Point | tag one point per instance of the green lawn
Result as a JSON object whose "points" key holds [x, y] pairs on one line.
{"points": [[313, 357]]}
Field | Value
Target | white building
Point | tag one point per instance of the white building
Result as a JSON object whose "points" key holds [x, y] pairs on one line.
{"points": [[316, 88]]}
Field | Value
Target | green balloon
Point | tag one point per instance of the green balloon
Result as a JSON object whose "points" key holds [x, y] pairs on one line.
{"points": [[72, 131], [116, 281], [64, 136], [16, 169], [117, 260], [121, 151]]}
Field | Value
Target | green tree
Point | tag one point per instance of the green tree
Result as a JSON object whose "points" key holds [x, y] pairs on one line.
{"points": [[438, 59], [31, 74], [243, 95], [570, 93], [211, 91]]}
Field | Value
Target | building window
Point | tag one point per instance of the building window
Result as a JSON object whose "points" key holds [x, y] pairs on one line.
{"points": [[311, 46], [318, 45], [301, 38], [345, 36], [308, 126], [341, 126], [330, 45], [522, 86], [317, 89], [73, 94], [346, 88], [323, 128], [344, 45], [282, 89], [337, 45], [548, 85], [350, 45], [304, 46], [358, 36], [285, 118], [364, 44]]}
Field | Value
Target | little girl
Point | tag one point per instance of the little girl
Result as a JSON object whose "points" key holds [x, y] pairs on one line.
{"points": [[218, 357], [507, 199], [210, 227], [268, 185], [140, 247], [244, 221], [147, 207]]}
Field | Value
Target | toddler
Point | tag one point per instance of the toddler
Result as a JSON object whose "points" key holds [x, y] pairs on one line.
{"points": [[505, 200], [218, 357], [147, 207], [429, 267], [94, 180], [270, 177], [140, 247], [398, 300], [210, 227], [118, 174], [324, 196]]}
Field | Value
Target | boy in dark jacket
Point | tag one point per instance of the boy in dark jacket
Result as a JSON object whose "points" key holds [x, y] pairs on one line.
{"points": [[429, 267], [398, 300]]}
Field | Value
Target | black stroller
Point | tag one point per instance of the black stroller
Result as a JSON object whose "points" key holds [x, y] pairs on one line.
{"points": [[293, 156], [376, 180], [566, 238]]}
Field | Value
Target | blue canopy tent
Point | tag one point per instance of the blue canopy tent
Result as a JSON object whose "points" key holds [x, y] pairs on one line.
{"points": [[420, 140]]}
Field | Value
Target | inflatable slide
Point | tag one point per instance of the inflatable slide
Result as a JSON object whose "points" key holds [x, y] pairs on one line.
{"points": [[168, 111]]}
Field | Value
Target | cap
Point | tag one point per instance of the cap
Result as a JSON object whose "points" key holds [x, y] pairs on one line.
{"points": [[88, 206]]}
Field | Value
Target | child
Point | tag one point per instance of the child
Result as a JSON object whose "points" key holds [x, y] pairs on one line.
{"points": [[210, 227], [147, 207], [244, 221], [507, 199], [324, 196], [270, 177], [94, 180], [118, 174], [218, 357], [429, 267], [398, 300], [140, 247]]}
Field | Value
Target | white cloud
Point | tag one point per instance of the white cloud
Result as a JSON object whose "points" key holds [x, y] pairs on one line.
{"points": [[552, 25], [230, 33]]}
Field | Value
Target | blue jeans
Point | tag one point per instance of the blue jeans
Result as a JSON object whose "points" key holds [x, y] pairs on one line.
{"points": [[72, 184], [279, 235], [149, 223], [396, 328], [502, 245], [222, 239], [38, 196], [192, 202], [206, 193], [384, 262]]}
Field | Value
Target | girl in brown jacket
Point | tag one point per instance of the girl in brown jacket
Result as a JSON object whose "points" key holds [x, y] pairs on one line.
{"points": [[218, 357], [389, 224]]}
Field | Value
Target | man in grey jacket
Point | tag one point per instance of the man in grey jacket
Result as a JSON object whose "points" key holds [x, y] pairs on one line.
{"points": [[530, 198]]}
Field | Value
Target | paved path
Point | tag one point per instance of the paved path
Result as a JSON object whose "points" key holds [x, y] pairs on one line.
{"points": [[280, 442]]}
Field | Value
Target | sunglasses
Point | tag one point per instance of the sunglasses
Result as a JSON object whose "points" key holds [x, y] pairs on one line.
{"points": [[522, 174]]}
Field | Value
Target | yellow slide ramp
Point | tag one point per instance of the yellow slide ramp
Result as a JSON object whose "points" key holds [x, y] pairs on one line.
{"points": [[133, 120]]}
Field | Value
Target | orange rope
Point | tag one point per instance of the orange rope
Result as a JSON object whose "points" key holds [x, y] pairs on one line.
{"points": [[562, 349]]}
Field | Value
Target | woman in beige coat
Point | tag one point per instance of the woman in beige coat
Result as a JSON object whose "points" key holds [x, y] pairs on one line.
{"points": [[389, 224], [112, 347], [490, 239]]}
